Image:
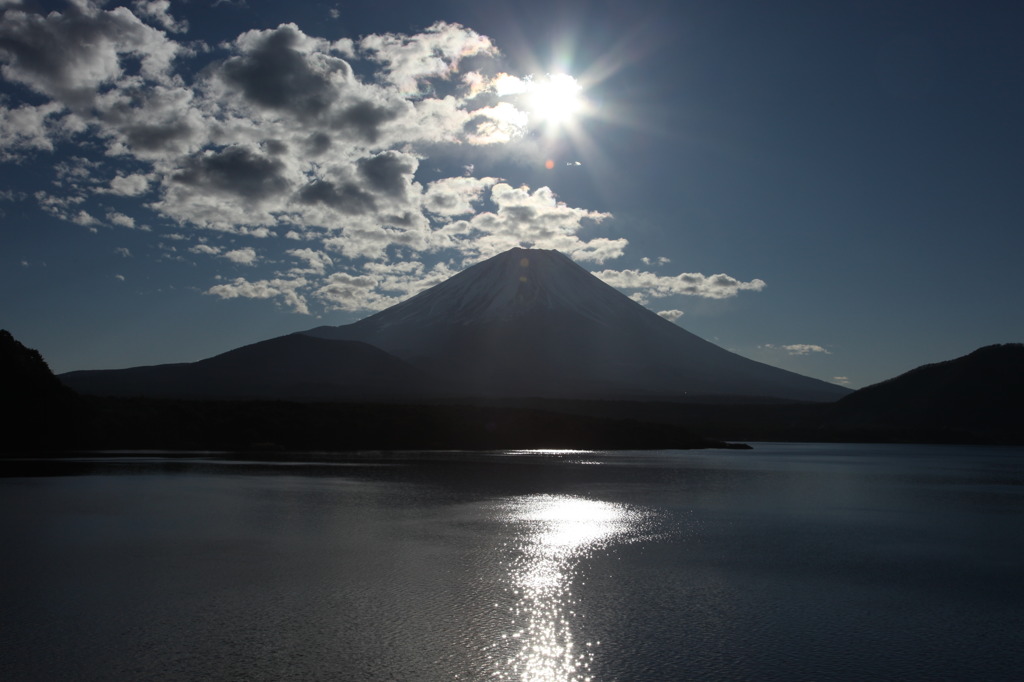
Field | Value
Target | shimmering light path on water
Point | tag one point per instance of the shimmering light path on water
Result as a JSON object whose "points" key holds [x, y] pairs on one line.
{"points": [[555, 532], [787, 562]]}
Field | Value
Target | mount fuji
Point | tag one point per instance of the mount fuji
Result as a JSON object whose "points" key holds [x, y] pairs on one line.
{"points": [[532, 323], [527, 323]]}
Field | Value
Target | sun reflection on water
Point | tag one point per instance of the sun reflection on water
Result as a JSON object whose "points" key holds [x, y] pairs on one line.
{"points": [[556, 532]]}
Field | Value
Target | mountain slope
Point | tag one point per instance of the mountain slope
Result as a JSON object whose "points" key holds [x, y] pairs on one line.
{"points": [[293, 367], [979, 396], [38, 411], [531, 323]]}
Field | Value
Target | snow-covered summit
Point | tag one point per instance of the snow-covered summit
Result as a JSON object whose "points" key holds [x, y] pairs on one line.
{"points": [[509, 285]]}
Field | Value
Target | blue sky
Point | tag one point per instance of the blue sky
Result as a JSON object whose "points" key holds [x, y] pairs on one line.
{"points": [[833, 188]]}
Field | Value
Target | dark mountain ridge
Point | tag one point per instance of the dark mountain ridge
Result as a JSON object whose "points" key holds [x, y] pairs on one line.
{"points": [[39, 412], [293, 367], [47, 416], [978, 397], [974, 399]]}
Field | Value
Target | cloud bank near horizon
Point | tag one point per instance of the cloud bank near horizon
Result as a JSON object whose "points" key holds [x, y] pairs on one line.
{"points": [[294, 157]]}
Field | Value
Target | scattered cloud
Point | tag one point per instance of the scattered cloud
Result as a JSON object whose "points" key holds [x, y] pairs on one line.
{"points": [[841, 380], [284, 291], [799, 348], [456, 196], [121, 219], [27, 127], [85, 219], [243, 256], [316, 146], [128, 185], [435, 53], [671, 315], [158, 11], [687, 283], [71, 56], [498, 124], [344, 291], [317, 262]]}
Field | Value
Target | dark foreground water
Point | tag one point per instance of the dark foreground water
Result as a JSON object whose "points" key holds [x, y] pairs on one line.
{"points": [[788, 562]]}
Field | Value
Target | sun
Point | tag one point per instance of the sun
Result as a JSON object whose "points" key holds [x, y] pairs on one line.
{"points": [[556, 99]]}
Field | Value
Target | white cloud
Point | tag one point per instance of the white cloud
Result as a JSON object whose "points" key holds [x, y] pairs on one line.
{"points": [[840, 380], [123, 252], [287, 290], [69, 55], [158, 11], [687, 283], [455, 196], [243, 256], [29, 127], [408, 278], [370, 242], [505, 84], [531, 219], [59, 206], [205, 249], [84, 218], [316, 261], [129, 185], [155, 123], [121, 219], [435, 53], [76, 172], [284, 70], [671, 315], [799, 348], [343, 291], [660, 260], [499, 124]]}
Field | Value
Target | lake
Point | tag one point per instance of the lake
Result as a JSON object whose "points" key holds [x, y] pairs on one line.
{"points": [[785, 562]]}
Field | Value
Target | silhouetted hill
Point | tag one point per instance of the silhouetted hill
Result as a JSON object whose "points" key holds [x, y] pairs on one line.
{"points": [[976, 398], [39, 411], [293, 367], [145, 423], [224, 403]]}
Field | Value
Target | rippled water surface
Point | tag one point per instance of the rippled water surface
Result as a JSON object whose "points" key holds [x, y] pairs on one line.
{"points": [[788, 562]]}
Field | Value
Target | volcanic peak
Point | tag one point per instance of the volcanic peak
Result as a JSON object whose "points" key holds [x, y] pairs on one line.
{"points": [[510, 285]]}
